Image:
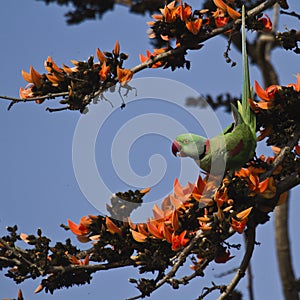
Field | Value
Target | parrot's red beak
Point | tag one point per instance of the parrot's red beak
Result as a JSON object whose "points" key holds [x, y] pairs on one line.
{"points": [[176, 148]]}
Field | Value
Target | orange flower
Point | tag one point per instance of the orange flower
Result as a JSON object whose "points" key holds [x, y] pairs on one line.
{"points": [[150, 56], [104, 71], [239, 222], [166, 205], [116, 50], [179, 241], [270, 190], [253, 181], [138, 236], [100, 56], [169, 12], [82, 228], [226, 8], [26, 92], [220, 4], [268, 94], [221, 21], [198, 191], [51, 66], [145, 190], [194, 26], [157, 212], [183, 11], [39, 289], [112, 227], [79, 262], [33, 77], [233, 13], [69, 70], [124, 75], [156, 228], [255, 106], [266, 21], [220, 198], [167, 234], [175, 220], [238, 226], [55, 79], [182, 193], [199, 188]]}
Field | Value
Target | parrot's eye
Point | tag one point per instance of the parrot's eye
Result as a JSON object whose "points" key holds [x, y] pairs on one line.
{"points": [[185, 142]]}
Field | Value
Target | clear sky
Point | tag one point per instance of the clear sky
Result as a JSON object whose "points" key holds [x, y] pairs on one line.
{"points": [[37, 179]]}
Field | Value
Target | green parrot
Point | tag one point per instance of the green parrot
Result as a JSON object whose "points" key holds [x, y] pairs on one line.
{"points": [[232, 148]]}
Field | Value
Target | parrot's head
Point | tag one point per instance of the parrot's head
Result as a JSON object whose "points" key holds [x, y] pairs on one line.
{"points": [[190, 145]]}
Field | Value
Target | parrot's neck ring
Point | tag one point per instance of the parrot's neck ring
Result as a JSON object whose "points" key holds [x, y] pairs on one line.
{"points": [[203, 153]]}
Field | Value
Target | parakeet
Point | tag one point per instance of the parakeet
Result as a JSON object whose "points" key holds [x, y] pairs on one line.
{"points": [[232, 148]]}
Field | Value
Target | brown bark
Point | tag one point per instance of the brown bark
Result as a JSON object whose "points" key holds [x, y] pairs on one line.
{"points": [[284, 252]]}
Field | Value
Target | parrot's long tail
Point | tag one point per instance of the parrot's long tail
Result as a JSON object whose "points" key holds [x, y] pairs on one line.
{"points": [[244, 108]]}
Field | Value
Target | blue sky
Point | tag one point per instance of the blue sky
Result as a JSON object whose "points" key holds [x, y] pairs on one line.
{"points": [[38, 183]]}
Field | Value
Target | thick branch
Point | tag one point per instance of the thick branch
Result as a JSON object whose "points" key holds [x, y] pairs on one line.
{"points": [[284, 252], [281, 213], [288, 183]]}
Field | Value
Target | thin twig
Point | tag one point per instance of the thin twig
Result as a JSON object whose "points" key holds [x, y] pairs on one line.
{"points": [[16, 253], [244, 264], [180, 260], [186, 279], [57, 109], [292, 13], [92, 268], [211, 289], [48, 96]]}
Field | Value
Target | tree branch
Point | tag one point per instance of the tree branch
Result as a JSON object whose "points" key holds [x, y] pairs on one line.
{"points": [[253, 12], [20, 256], [284, 252], [249, 277], [180, 260], [92, 268], [244, 264]]}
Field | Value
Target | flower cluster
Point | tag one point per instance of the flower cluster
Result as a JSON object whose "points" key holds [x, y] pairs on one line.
{"points": [[78, 84], [248, 184], [179, 24], [277, 111], [177, 29], [200, 206], [178, 21]]}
